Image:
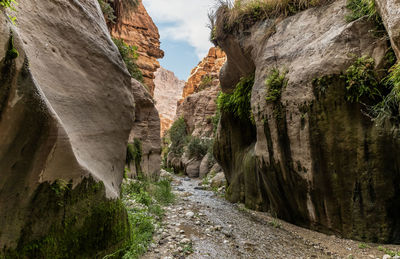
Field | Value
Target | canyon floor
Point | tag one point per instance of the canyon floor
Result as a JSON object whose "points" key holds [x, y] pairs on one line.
{"points": [[201, 224]]}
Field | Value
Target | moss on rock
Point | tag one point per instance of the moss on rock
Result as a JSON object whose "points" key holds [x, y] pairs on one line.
{"points": [[71, 222]]}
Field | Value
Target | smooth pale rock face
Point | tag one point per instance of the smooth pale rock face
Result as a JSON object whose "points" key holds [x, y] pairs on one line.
{"points": [[390, 13], [167, 92], [206, 73], [136, 28], [146, 128], [66, 110], [312, 158]]}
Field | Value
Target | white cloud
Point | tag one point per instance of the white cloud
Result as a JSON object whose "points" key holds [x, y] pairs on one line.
{"points": [[187, 21]]}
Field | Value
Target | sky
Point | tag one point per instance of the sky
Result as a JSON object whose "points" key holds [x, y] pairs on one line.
{"points": [[183, 30]]}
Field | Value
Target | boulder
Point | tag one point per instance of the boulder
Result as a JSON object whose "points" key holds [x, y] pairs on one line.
{"points": [[65, 116], [218, 180], [205, 166], [192, 167]]}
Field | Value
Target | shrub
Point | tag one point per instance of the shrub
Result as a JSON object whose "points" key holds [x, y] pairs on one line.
{"points": [[206, 81], [388, 108], [238, 102], [361, 8], [362, 80], [163, 192], [275, 82], [129, 56], [197, 147], [108, 10], [134, 154], [178, 134], [230, 16]]}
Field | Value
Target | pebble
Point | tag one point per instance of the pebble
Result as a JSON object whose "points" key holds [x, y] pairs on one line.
{"points": [[186, 179], [185, 241], [189, 214], [386, 257]]}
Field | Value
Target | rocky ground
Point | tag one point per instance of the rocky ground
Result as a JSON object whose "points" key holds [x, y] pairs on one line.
{"points": [[201, 224]]}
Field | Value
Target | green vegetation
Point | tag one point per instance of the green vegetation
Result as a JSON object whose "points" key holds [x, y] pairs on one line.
{"points": [[178, 136], [215, 119], [11, 5], [129, 56], [12, 52], [134, 155], [362, 80], [187, 248], [388, 108], [361, 8], [232, 16], [388, 251], [108, 6], [275, 83], [107, 10], [363, 246], [79, 223], [238, 102], [198, 147], [143, 201], [206, 81]]}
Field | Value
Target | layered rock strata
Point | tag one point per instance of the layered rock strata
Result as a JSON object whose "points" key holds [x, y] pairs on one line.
{"points": [[136, 28], [166, 95], [65, 117], [311, 157], [206, 73]]}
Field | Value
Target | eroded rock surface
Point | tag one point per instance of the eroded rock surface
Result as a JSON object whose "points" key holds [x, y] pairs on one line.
{"points": [[206, 73], [168, 90], [311, 157], [146, 129], [136, 28], [65, 116]]}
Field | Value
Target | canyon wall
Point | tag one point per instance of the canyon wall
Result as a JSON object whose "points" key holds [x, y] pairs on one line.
{"points": [[198, 110], [206, 73], [310, 155], [136, 28], [145, 135], [66, 110], [166, 95]]}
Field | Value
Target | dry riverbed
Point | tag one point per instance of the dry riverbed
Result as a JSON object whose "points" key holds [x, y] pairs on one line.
{"points": [[201, 224]]}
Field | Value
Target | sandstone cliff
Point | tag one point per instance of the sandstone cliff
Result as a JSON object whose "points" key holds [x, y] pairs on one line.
{"points": [[311, 155], [166, 95], [136, 28], [65, 116], [198, 112], [206, 73]]}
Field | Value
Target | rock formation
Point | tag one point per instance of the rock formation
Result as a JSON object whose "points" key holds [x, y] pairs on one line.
{"points": [[136, 28], [312, 157], [199, 112], [146, 130], [390, 13], [65, 116], [198, 109], [206, 73], [166, 94]]}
